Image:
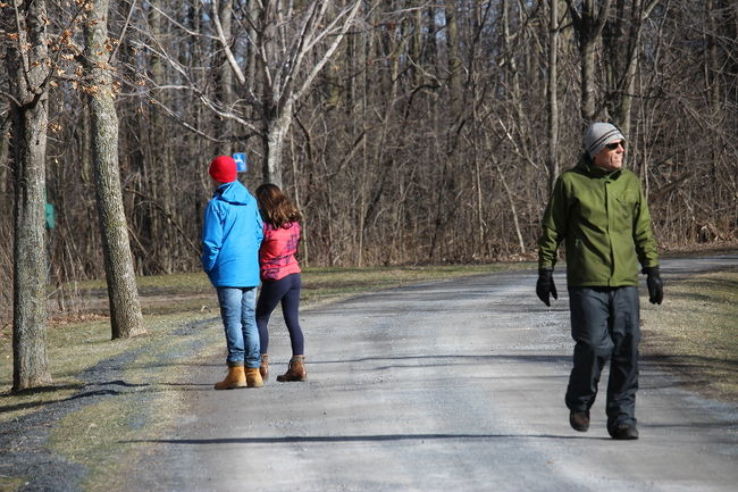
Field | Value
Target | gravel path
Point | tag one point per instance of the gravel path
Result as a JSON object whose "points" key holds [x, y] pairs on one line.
{"points": [[447, 386]]}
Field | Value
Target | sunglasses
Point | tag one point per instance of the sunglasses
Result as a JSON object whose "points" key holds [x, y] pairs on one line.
{"points": [[614, 145]]}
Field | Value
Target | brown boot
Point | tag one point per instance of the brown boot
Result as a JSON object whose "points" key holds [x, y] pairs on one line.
{"points": [[236, 378], [253, 378], [296, 370], [264, 367]]}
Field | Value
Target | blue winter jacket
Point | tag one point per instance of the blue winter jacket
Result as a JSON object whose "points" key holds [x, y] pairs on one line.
{"points": [[231, 237]]}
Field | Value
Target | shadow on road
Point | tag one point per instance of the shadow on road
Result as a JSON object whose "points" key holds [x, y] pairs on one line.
{"points": [[102, 389], [472, 357], [367, 438]]}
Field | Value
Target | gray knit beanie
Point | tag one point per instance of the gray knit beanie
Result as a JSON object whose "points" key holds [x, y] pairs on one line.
{"points": [[600, 134]]}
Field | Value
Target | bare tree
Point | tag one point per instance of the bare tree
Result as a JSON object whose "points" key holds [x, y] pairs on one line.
{"points": [[430, 134], [125, 308], [290, 44], [280, 63], [622, 44], [453, 47], [553, 97], [225, 76], [27, 61], [589, 18]]}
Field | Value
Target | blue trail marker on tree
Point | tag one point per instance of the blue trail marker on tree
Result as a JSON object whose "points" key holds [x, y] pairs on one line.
{"points": [[241, 162]]}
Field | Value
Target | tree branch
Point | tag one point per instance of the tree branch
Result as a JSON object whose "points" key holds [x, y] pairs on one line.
{"points": [[224, 43]]}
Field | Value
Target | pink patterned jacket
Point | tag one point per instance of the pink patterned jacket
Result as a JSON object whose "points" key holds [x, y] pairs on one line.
{"points": [[277, 252]]}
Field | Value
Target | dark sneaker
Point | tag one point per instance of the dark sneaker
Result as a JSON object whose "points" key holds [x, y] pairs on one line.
{"points": [[579, 421], [624, 432]]}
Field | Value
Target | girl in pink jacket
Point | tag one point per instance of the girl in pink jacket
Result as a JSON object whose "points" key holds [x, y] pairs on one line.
{"points": [[280, 276]]}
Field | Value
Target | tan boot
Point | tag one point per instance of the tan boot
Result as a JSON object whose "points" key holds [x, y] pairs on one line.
{"points": [[296, 370], [264, 367], [236, 378], [253, 378]]}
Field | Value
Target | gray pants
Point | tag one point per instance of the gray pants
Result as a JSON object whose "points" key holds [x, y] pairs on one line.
{"points": [[605, 324]]}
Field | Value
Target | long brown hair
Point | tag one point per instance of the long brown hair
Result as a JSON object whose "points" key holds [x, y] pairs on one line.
{"points": [[276, 208]]}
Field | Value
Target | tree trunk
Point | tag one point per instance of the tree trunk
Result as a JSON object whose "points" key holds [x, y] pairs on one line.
{"points": [[125, 308], [416, 43], [553, 100], [29, 313], [712, 89], [29, 111], [252, 80], [4, 153], [158, 164], [225, 82], [622, 39], [588, 24], [513, 210], [588, 104], [626, 101], [275, 137], [454, 60], [283, 84]]}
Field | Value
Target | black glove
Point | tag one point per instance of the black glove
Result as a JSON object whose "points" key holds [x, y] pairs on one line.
{"points": [[545, 286], [655, 284]]}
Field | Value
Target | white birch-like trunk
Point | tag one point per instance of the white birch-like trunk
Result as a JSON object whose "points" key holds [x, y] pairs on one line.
{"points": [[276, 136]]}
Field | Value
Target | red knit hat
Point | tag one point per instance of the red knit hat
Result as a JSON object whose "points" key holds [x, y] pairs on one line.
{"points": [[223, 169]]}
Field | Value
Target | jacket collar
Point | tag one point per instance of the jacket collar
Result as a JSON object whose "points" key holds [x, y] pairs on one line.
{"points": [[590, 169]]}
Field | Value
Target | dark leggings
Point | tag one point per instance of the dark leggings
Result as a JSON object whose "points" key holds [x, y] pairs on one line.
{"points": [[286, 290]]}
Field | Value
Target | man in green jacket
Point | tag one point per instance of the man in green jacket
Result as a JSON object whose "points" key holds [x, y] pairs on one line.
{"points": [[599, 210]]}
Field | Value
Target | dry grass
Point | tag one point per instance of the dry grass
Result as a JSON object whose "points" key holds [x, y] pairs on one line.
{"points": [[192, 292], [109, 436], [695, 333], [71, 349]]}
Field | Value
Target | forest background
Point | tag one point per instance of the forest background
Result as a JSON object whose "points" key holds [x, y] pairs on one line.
{"points": [[408, 131]]}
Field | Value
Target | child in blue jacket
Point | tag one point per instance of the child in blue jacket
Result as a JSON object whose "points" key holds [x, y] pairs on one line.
{"points": [[232, 234]]}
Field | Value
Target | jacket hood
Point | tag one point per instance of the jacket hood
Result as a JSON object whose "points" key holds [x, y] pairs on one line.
{"points": [[234, 193]]}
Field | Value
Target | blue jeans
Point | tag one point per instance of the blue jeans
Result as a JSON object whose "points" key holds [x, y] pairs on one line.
{"points": [[237, 305]]}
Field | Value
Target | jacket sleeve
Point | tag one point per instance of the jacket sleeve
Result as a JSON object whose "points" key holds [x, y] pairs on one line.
{"points": [[259, 227], [554, 225], [212, 237], [643, 237]]}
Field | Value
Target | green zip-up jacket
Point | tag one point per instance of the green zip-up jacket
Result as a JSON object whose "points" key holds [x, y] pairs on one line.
{"points": [[603, 218]]}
